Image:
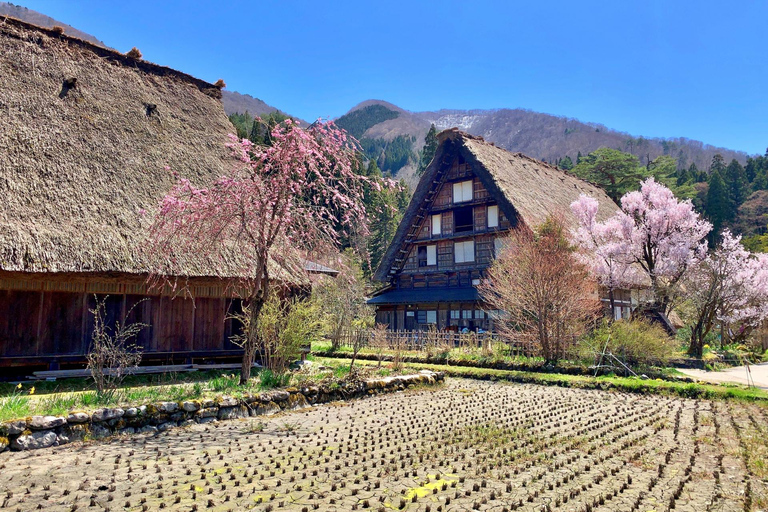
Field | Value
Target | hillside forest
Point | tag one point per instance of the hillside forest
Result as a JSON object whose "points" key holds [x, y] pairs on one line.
{"points": [[729, 194]]}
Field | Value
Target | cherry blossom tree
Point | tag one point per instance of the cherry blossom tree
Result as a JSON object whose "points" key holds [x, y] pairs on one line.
{"points": [[729, 285], [654, 237], [281, 204]]}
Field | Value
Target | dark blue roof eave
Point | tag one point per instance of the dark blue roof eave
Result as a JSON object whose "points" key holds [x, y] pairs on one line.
{"points": [[425, 295]]}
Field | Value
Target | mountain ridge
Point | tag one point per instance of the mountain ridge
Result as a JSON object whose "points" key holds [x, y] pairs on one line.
{"points": [[41, 20]]}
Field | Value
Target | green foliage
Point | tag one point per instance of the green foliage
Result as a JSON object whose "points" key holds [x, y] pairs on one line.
{"points": [[738, 185], [269, 379], [718, 205], [613, 170], [385, 207], [635, 342], [428, 153], [284, 327], [390, 156], [357, 123], [256, 128], [756, 243], [565, 163]]}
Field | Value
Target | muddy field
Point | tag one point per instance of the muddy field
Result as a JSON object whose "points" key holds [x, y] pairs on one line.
{"points": [[465, 446]]}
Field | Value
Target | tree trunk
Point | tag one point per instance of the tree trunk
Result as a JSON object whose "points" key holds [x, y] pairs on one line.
{"points": [[255, 304], [695, 348], [612, 300]]}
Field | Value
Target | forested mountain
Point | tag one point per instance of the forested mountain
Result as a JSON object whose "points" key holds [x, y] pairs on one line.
{"points": [[41, 20], [549, 137], [236, 103], [542, 136]]}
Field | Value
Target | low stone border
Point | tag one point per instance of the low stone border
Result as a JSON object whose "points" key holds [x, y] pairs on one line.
{"points": [[45, 431]]}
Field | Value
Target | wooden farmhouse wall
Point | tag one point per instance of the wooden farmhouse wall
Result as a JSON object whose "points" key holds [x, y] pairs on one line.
{"points": [[46, 319]]}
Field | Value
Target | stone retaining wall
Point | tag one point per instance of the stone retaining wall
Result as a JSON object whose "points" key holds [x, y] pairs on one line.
{"points": [[45, 431]]}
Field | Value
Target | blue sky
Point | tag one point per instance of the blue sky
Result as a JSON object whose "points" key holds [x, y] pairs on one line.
{"points": [[695, 69]]}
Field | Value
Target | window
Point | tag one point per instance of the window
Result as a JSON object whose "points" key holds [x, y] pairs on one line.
{"points": [[437, 221], [493, 216], [464, 252], [466, 314], [479, 313], [426, 317], [427, 255], [455, 314], [431, 255], [463, 219], [462, 191]]}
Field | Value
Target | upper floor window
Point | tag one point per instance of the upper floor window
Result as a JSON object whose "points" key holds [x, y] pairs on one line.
{"points": [[464, 252], [427, 255], [493, 216], [462, 191], [437, 221], [463, 219]]}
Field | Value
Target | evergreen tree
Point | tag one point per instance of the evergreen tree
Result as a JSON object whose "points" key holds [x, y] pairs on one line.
{"points": [[565, 163], [738, 185], [717, 165], [751, 169], [578, 158], [271, 123], [428, 153], [386, 206], [718, 205], [256, 135]]}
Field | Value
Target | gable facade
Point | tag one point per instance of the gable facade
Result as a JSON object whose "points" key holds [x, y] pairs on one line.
{"points": [[468, 199]]}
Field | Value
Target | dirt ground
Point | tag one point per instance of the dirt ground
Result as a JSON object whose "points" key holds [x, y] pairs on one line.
{"points": [[467, 445]]}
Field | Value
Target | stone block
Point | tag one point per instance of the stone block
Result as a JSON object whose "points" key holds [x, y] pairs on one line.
{"points": [[78, 417], [190, 406], [107, 414], [229, 413], [45, 422], [35, 440], [13, 428]]}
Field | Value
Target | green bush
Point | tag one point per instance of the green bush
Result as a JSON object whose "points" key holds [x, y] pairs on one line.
{"points": [[635, 342]]}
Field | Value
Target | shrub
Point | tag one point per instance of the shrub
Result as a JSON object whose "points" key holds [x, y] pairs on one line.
{"points": [[220, 84], [635, 342], [134, 54], [284, 327], [112, 354]]}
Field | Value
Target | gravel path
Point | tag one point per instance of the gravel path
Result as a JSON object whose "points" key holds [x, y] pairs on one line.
{"points": [[736, 375]]}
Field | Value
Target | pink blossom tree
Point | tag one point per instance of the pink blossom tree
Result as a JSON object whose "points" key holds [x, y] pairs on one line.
{"points": [[654, 237], [281, 204], [729, 285]]}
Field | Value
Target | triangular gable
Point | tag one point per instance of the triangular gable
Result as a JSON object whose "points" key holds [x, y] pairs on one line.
{"points": [[537, 189]]}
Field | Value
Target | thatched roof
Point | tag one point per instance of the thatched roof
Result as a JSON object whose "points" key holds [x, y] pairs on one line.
{"points": [[80, 160], [527, 190]]}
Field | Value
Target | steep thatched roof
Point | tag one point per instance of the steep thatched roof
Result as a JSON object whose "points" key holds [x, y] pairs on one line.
{"points": [[85, 136], [527, 190]]}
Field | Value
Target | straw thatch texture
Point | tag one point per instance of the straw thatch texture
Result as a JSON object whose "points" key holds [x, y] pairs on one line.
{"points": [[79, 162], [527, 190]]}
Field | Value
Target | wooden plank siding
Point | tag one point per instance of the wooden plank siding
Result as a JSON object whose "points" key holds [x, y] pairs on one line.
{"points": [[39, 323]]}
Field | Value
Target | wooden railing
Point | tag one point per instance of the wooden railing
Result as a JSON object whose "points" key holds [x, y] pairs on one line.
{"points": [[435, 341]]}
